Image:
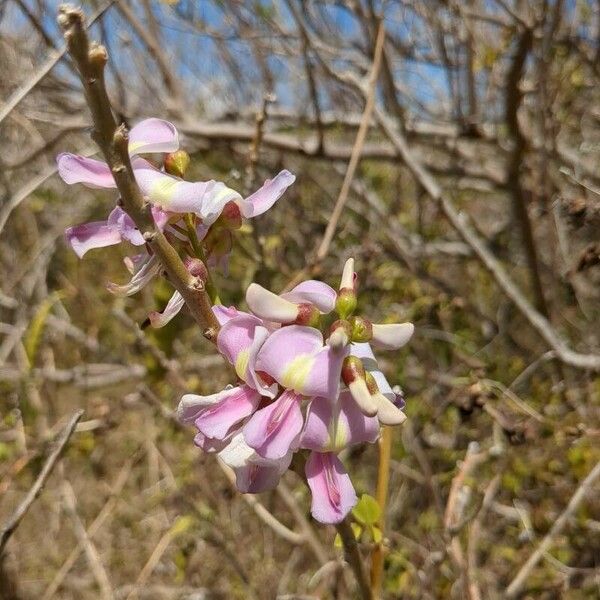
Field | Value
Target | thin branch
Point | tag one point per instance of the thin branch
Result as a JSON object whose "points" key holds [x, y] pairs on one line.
{"points": [[20, 94], [354, 559], [15, 519], [91, 553], [518, 582], [369, 92]]}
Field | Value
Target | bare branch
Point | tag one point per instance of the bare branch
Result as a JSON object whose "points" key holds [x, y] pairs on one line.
{"points": [[15, 519]]}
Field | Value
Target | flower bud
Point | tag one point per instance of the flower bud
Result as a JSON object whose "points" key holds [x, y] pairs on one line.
{"points": [[339, 334], [345, 303], [308, 314], [348, 276], [353, 375], [196, 267], [362, 330], [231, 217], [176, 163]]}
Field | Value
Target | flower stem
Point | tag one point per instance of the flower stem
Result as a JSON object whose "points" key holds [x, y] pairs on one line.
{"points": [[199, 252], [354, 559], [381, 495]]}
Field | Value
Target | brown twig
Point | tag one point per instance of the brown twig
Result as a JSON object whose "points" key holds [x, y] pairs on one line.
{"points": [[520, 578], [354, 559], [84, 540], [91, 60], [15, 519], [21, 93]]}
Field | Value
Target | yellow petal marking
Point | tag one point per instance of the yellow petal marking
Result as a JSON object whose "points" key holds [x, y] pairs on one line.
{"points": [[133, 146], [162, 191], [297, 372], [241, 363]]}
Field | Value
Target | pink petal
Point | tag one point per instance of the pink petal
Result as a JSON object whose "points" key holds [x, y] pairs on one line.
{"points": [[78, 169], [253, 473], [333, 495], [224, 313], [160, 319], [314, 292], [272, 430], [218, 413], [240, 340], [126, 227], [208, 444], [153, 135], [255, 478], [296, 358], [333, 426], [205, 199], [267, 195], [145, 273], [88, 236]]}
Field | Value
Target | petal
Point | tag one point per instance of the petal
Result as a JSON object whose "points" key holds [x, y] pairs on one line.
{"points": [[208, 444], [258, 477], [224, 313], [126, 227], [314, 292], [153, 135], [219, 412], [296, 358], [387, 412], [160, 319], [77, 169], [333, 426], [205, 199], [262, 200], [333, 495], [348, 275], [270, 306], [392, 336], [273, 430], [88, 236], [240, 340], [365, 353], [237, 453], [144, 274]]}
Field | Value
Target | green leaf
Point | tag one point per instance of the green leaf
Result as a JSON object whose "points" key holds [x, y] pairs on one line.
{"points": [[376, 533], [337, 542], [367, 511], [34, 333], [357, 530]]}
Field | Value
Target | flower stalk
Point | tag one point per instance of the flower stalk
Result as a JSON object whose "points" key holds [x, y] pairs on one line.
{"points": [[381, 495]]}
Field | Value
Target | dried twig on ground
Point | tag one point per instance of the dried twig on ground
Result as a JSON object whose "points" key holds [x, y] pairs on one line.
{"points": [[13, 521]]}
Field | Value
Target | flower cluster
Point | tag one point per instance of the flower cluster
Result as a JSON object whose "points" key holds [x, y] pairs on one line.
{"points": [[308, 381], [298, 389], [215, 209]]}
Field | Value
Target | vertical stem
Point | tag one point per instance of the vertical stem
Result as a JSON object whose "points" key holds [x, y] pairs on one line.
{"points": [[211, 288], [354, 559], [381, 495]]}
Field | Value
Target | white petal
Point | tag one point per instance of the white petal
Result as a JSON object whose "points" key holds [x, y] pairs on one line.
{"points": [[392, 336], [270, 306]]}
